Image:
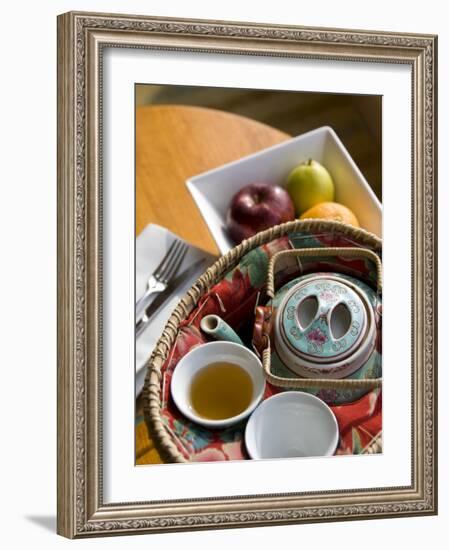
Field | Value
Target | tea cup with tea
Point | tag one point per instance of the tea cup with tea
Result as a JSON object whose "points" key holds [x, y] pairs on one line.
{"points": [[218, 384]]}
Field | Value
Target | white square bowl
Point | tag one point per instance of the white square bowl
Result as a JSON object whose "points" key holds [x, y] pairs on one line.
{"points": [[213, 190]]}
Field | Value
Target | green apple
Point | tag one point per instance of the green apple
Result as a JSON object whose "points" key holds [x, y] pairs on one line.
{"points": [[308, 184]]}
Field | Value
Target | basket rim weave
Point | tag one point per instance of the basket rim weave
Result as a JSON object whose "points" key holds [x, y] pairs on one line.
{"points": [[151, 392]]}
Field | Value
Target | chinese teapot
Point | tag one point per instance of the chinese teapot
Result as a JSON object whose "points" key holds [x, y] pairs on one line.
{"points": [[321, 332]]}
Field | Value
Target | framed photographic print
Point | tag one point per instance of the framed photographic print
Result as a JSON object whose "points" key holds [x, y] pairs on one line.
{"points": [[246, 274]]}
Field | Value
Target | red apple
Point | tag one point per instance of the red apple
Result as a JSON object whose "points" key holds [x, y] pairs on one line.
{"points": [[256, 207]]}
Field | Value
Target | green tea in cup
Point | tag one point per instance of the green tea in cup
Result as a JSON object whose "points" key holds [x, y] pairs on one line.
{"points": [[221, 390]]}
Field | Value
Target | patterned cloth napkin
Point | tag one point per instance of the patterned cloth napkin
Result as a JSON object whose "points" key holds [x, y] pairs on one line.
{"points": [[234, 299]]}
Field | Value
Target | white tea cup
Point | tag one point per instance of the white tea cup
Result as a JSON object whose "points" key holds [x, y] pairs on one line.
{"points": [[291, 424]]}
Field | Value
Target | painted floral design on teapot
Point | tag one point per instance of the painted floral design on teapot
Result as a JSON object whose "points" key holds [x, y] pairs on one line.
{"points": [[323, 325]]}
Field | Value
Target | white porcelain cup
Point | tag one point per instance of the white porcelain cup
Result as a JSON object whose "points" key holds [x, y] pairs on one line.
{"points": [[291, 424], [204, 355]]}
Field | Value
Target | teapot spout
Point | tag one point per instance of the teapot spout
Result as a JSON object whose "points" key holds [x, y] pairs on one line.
{"points": [[214, 326]]}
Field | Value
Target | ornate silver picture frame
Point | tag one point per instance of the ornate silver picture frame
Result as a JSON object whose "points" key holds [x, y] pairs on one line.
{"points": [[82, 40]]}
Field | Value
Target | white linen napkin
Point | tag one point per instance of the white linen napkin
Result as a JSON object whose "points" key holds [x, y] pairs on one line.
{"points": [[151, 246]]}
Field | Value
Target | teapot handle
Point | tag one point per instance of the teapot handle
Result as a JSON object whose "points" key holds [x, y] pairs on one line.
{"points": [[349, 252]]}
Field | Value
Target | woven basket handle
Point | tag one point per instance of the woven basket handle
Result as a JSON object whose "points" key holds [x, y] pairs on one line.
{"points": [[324, 383], [348, 252]]}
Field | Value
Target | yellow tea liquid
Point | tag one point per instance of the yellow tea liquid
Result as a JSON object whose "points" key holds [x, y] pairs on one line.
{"points": [[221, 390]]}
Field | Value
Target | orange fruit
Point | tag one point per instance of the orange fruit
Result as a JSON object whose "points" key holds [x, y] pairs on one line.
{"points": [[331, 211]]}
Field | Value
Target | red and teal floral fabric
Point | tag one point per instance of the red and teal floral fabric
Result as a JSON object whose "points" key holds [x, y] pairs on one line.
{"points": [[234, 299]]}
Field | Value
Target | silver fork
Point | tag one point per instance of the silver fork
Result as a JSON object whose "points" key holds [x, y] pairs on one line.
{"points": [[161, 276]]}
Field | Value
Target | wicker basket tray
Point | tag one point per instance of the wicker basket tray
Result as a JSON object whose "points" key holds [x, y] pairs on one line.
{"points": [[164, 438]]}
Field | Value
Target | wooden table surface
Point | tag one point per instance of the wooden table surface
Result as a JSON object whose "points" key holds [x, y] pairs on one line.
{"points": [[175, 142], [172, 144]]}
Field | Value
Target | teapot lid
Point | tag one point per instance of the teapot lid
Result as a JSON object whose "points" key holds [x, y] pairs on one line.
{"points": [[324, 319]]}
